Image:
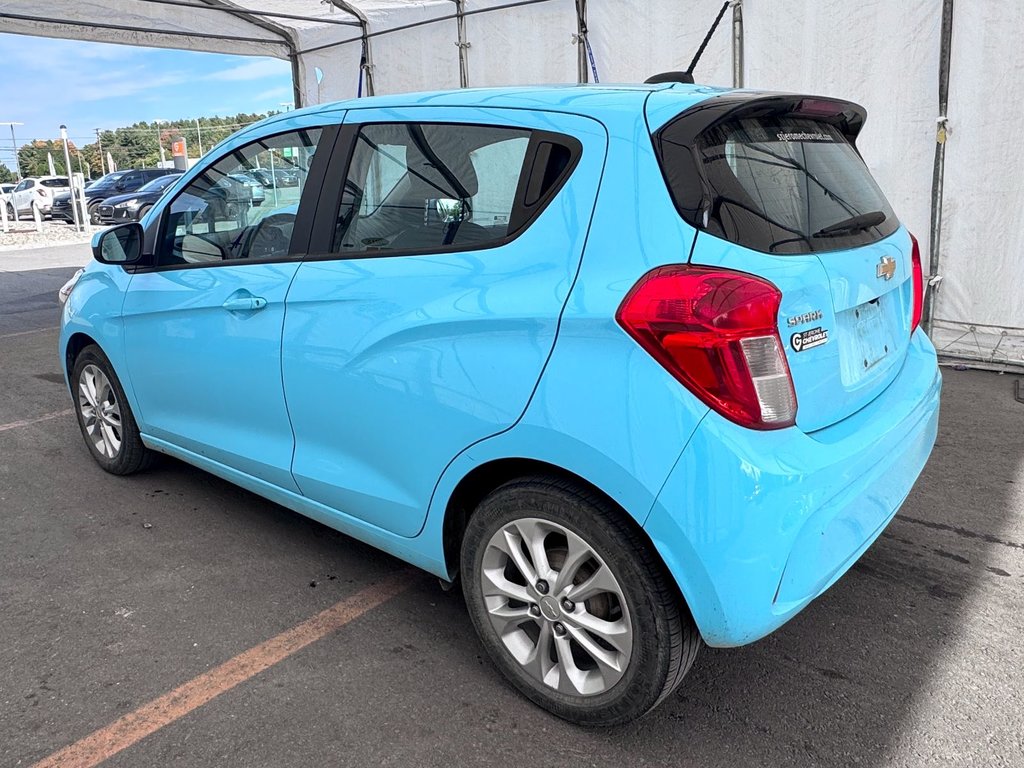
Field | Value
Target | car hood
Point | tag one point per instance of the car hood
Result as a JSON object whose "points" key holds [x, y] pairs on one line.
{"points": [[142, 196]]}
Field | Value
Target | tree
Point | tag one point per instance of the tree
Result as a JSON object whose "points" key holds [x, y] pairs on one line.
{"points": [[7, 175]]}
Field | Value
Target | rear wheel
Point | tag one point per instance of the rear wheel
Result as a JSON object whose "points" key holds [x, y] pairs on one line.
{"points": [[571, 604], [105, 417], [11, 214]]}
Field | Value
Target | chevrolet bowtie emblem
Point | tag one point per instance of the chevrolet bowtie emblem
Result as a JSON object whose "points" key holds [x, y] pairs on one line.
{"points": [[886, 268]]}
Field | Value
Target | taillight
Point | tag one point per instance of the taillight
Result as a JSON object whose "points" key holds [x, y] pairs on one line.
{"points": [[40, 191], [918, 276], [716, 331]]}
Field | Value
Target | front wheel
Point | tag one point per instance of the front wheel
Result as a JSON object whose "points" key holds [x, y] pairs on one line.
{"points": [[572, 605], [104, 416], [94, 215]]}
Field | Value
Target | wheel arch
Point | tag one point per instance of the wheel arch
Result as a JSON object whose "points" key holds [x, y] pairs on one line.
{"points": [[76, 343], [475, 485]]}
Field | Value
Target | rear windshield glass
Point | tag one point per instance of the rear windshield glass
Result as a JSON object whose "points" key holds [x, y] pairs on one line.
{"points": [[63, 182], [788, 185]]}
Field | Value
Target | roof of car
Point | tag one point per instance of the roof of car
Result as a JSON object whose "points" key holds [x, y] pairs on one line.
{"points": [[592, 100], [585, 99]]}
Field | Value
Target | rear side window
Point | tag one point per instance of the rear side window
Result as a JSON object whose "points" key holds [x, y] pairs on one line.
{"points": [[430, 187], [62, 182], [782, 184]]}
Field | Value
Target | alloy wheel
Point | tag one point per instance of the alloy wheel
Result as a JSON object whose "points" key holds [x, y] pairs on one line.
{"points": [[101, 413], [557, 607]]}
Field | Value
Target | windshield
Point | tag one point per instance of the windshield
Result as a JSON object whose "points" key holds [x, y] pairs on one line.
{"points": [[160, 182], [790, 185], [109, 179]]}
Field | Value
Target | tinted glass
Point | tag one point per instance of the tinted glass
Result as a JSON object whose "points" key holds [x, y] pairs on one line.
{"points": [[61, 182], [790, 185], [424, 187], [225, 214], [159, 183]]}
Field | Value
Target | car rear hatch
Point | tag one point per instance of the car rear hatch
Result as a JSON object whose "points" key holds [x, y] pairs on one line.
{"points": [[776, 188]]}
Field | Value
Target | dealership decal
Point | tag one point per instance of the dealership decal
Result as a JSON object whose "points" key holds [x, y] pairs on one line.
{"points": [[802, 340]]}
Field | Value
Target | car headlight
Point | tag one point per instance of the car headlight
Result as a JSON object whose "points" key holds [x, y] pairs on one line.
{"points": [[65, 290], [127, 203]]}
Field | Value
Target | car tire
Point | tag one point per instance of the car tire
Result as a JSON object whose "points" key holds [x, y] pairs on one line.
{"points": [[11, 213], [602, 660], [104, 416], [142, 212], [94, 214]]}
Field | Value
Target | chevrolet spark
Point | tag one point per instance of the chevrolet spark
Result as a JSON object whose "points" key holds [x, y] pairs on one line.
{"points": [[640, 365]]}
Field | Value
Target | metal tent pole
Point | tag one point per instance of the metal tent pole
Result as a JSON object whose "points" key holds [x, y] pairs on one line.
{"points": [[737, 44], [463, 44], [940, 163]]}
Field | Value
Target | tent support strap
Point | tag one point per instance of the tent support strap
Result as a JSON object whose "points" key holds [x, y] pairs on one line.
{"points": [[938, 169]]}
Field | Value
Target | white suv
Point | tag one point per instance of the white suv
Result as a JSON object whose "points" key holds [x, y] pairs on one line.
{"points": [[39, 188]]}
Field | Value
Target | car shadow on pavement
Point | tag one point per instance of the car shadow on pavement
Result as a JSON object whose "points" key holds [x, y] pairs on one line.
{"points": [[849, 680]]}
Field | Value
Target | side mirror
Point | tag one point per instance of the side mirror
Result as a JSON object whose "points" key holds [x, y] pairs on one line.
{"points": [[120, 245]]}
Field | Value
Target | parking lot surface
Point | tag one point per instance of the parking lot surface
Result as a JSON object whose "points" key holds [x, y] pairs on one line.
{"points": [[115, 592]]}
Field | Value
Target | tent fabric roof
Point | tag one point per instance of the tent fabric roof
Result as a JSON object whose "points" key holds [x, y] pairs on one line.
{"points": [[343, 48]]}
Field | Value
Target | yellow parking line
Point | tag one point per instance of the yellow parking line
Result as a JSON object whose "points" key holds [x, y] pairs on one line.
{"points": [[149, 718]]}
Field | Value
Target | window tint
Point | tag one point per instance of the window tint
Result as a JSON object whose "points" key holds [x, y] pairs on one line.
{"points": [[160, 182], [785, 185], [423, 187], [226, 213], [61, 182]]}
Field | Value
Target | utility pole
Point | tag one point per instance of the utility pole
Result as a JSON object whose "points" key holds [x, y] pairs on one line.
{"points": [[199, 132], [14, 145], [99, 143]]}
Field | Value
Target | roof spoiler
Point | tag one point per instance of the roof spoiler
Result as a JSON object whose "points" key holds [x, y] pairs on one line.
{"points": [[847, 116]]}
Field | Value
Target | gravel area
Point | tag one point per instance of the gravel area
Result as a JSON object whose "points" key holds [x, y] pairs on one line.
{"points": [[23, 235]]}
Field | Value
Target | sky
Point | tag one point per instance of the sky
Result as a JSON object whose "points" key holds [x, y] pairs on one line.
{"points": [[46, 82]]}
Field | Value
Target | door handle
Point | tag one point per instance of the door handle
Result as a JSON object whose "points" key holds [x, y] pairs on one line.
{"points": [[245, 303]]}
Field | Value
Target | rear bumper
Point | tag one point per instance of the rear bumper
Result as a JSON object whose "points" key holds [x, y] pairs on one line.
{"points": [[755, 525]]}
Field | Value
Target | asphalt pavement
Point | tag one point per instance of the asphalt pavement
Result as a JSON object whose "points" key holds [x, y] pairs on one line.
{"points": [[116, 591]]}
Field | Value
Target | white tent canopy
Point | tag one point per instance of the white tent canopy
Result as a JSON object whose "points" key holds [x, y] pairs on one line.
{"points": [[886, 56]]}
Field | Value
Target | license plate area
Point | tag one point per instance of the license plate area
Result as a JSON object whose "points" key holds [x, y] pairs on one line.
{"points": [[866, 340]]}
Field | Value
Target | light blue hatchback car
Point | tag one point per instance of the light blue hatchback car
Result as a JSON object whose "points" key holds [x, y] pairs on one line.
{"points": [[640, 365]]}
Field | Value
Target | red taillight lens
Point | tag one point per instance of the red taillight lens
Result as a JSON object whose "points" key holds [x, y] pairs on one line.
{"points": [[918, 275], [715, 330], [40, 191]]}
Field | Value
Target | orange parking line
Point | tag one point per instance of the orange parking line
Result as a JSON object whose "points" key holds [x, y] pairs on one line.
{"points": [[44, 417], [149, 718]]}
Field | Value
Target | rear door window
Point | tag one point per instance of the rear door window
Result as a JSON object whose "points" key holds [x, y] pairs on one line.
{"points": [[786, 185], [432, 187]]}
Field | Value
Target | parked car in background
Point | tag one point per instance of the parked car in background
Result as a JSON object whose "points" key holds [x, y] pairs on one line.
{"points": [[38, 189], [238, 191], [132, 206], [277, 177], [114, 183], [5, 192], [640, 366]]}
